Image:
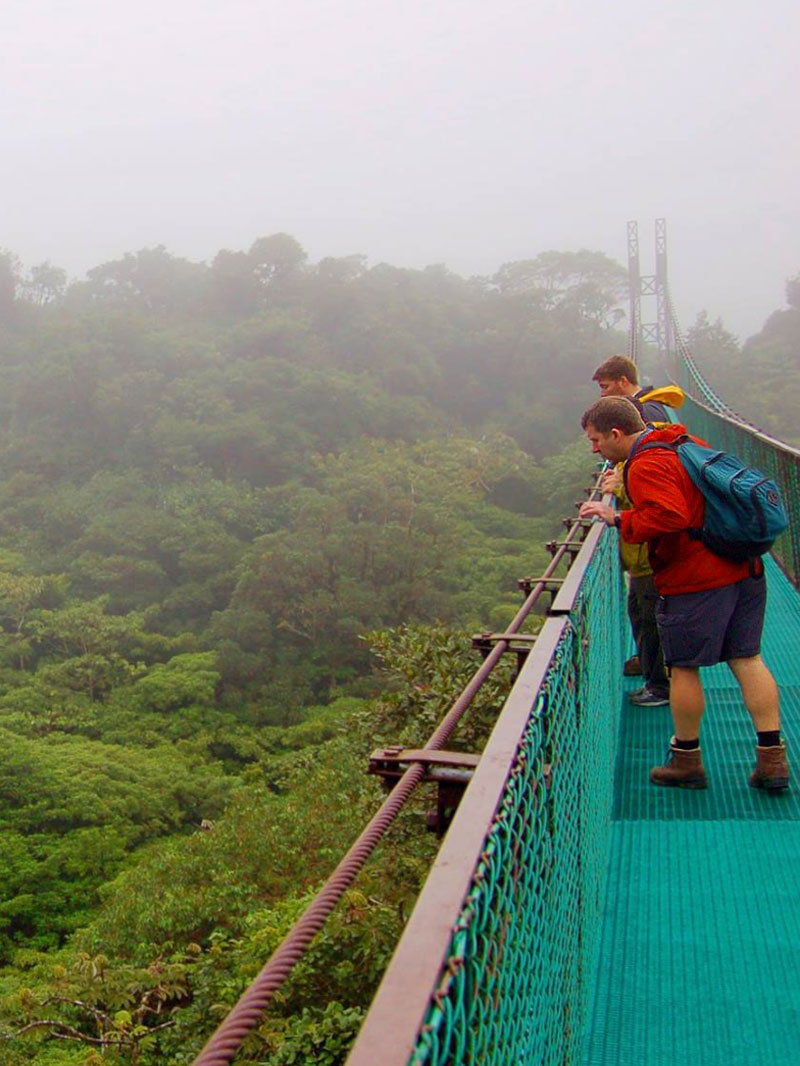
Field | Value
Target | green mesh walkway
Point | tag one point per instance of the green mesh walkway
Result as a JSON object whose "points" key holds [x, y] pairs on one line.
{"points": [[699, 957]]}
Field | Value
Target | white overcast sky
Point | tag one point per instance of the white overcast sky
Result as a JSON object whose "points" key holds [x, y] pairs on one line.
{"points": [[463, 132]]}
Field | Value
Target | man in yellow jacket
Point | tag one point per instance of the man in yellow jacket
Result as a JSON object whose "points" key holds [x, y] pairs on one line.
{"points": [[642, 600], [619, 376]]}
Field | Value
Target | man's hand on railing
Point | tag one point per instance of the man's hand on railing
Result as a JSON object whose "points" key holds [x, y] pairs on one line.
{"points": [[611, 480], [596, 509]]}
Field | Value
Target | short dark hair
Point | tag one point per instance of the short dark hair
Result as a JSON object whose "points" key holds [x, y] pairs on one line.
{"points": [[613, 412], [616, 367]]}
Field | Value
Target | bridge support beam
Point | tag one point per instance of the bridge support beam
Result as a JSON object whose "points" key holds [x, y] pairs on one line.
{"points": [[451, 771], [656, 287]]}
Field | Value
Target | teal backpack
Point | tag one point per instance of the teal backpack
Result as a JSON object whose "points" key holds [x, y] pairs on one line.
{"points": [[743, 513]]}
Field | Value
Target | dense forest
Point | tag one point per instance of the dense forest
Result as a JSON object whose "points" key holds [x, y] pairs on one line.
{"points": [[250, 512]]}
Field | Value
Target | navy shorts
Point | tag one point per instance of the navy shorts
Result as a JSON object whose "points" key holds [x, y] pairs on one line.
{"points": [[704, 628]]}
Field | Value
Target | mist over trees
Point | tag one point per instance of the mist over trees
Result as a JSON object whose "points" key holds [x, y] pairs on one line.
{"points": [[248, 511], [758, 378]]}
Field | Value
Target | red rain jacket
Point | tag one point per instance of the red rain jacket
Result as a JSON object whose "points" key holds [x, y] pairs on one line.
{"points": [[665, 506]]}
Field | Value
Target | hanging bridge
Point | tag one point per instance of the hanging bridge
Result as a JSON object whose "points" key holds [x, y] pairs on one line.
{"points": [[575, 915]]}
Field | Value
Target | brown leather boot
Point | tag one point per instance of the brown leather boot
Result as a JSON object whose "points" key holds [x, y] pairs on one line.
{"points": [[683, 769], [772, 769], [632, 667]]}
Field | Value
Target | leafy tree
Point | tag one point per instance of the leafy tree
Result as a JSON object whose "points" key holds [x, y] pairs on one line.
{"points": [[234, 286], [716, 350], [793, 292], [118, 1011], [275, 258], [241, 280], [20, 594], [590, 283], [428, 667], [9, 280], [70, 810], [45, 284], [188, 679], [342, 270], [86, 645], [151, 278]]}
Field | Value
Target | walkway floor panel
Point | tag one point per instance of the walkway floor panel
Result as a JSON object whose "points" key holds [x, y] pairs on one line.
{"points": [[700, 947], [701, 954]]}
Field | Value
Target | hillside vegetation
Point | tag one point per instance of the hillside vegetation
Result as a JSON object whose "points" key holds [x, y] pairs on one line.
{"points": [[250, 512]]}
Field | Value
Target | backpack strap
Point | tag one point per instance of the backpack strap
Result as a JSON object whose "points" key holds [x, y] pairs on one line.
{"points": [[648, 445], [644, 445]]}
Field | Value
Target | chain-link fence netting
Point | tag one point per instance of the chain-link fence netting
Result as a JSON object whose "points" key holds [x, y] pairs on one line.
{"points": [[777, 461], [518, 972]]}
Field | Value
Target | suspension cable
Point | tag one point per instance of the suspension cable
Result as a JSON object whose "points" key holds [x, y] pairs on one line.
{"points": [[699, 389]]}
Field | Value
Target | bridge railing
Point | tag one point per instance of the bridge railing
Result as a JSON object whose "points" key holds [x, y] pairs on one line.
{"points": [[577, 549], [495, 962]]}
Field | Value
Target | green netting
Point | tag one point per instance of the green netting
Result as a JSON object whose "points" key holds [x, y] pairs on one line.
{"points": [[520, 962], [778, 462], [693, 382]]}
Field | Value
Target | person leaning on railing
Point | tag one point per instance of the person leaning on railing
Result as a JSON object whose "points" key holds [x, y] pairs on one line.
{"points": [[618, 376], [641, 606], [710, 609]]}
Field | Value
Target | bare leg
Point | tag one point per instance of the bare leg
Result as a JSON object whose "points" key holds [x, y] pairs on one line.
{"points": [[687, 701], [759, 691]]}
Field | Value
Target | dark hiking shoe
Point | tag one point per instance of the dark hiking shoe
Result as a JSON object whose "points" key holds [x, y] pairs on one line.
{"points": [[772, 769], [682, 769], [632, 668], [645, 697]]}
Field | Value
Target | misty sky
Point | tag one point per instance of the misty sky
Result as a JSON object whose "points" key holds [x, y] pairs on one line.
{"points": [[463, 132]]}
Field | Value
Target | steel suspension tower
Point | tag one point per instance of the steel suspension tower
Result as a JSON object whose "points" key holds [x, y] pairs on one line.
{"points": [[655, 287]]}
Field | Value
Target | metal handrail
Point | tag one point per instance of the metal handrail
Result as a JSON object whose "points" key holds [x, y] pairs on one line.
{"points": [[416, 971], [420, 972]]}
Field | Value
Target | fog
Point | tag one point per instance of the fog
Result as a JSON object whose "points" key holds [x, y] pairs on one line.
{"points": [[458, 132]]}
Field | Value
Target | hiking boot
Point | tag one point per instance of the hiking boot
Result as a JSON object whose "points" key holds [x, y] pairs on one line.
{"points": [[632, 668], [682, 769], [772, 769], [645, 697]]}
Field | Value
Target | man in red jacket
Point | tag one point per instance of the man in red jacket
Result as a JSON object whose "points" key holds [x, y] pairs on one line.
{"points": [[710, 609]]}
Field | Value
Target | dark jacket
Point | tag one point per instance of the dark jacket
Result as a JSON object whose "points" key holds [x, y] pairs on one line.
{"points": [[650, 410]]}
